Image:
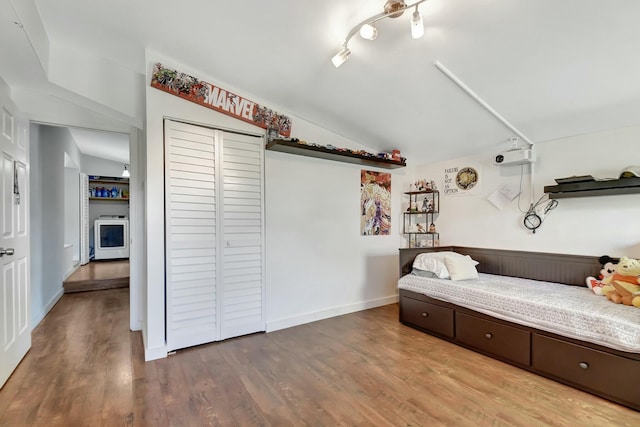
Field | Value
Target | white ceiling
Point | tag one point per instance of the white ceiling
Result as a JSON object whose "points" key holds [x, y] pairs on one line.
{"points": [[551, 68], [107, 145]]}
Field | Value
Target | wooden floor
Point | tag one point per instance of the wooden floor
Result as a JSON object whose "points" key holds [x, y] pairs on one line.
{"points": [[98, 275], [361, 369]]}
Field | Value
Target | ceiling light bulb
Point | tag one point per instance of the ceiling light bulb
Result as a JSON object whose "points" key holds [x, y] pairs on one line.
{"points": [[417, 26], [125, 172], [369, 32], [341, 57]]}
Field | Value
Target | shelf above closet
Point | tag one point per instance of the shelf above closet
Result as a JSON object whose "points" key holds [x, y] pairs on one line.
{"points": [[319, 152], [594, 188]]}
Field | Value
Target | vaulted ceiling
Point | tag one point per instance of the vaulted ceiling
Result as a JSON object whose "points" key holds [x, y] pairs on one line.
{"points": [[551, 68]]}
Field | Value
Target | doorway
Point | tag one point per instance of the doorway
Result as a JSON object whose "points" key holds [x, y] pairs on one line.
{"points": [[48, 214]]}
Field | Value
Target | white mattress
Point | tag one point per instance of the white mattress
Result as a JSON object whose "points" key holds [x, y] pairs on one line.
{"points": [[569, 311]]}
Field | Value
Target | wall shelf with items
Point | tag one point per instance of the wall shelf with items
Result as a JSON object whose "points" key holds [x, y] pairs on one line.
{"points": [[594, 188], [419, 219], [108, 189], [340, 155]]}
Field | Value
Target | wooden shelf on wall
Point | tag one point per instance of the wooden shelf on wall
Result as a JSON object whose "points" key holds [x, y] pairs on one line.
{"points": [[292, 147], [594, 188]]}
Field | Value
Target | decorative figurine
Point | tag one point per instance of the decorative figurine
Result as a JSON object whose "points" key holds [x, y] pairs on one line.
{"points": [[427, 205], [432, 228], [420, 228]]}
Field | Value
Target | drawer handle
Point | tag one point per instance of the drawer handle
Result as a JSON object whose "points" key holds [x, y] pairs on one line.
{"points": [[425, 314], [583, 365], [488, 335]]}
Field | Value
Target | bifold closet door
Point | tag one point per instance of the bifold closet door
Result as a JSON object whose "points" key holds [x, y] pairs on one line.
{"points": [[242, 290], [214, 234]]}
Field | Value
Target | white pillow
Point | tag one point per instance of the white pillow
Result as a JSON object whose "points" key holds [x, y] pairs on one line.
{"points": [[461, 268], [432, 264], [441, 255]]}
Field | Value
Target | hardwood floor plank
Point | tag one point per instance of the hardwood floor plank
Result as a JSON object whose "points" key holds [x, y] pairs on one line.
{"points": [[362, 369]]}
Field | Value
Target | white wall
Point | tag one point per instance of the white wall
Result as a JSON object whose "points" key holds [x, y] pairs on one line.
{"points": [[71, 215], [317, 263], [92, 165], [583, 226], [48, 145]]}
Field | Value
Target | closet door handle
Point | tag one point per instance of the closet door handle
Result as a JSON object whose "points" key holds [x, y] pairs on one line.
{"points": [[425, 314], [488, 335], [583, 365]]}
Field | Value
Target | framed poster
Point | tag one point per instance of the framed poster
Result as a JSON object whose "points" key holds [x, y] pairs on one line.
{"points": [[375, 203]]}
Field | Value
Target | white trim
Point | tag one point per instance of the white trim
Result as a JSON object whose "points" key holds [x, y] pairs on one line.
{"points": [[47, 308], [155, 353], [136, 233], [330, 312], [152, 353]]}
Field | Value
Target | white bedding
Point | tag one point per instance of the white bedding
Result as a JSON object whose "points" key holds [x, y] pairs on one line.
{"points": [[569, 311]]}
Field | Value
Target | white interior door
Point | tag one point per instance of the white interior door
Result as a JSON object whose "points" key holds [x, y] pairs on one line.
{"points": [[15, 334]]}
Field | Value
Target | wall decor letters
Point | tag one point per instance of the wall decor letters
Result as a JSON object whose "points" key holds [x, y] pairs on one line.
{"points": [[218, 99]]}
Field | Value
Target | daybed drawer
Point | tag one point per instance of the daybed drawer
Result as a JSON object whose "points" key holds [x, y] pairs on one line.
{"points": [[501, 340], [428, 316], [593, 369]]}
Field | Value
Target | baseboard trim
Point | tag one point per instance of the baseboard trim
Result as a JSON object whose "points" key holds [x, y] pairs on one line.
{"points": [[47, 308], [289, 322]]}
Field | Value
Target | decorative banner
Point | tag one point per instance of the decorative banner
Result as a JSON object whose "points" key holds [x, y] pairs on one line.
{"points": [[215, 98], [461, 181], [375, 203]]}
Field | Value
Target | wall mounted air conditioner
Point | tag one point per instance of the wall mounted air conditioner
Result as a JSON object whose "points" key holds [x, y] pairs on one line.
{"points": [[515, 157]]}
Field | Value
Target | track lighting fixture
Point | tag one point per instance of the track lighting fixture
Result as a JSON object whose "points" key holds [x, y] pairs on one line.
{"points": [[417, 26], [392, 9], [341, 57], [369, 32]]}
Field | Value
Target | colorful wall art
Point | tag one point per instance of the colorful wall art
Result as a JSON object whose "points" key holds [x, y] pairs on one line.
{"points": [[216, 98], [375, 203]]}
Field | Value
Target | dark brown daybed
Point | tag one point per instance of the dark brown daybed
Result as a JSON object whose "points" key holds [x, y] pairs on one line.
{"points": [[606, 372]]}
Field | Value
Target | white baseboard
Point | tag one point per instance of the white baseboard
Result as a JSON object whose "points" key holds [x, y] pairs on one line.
{"points": [[288, 322], [135, 325], [47, 308], [72, 269]]}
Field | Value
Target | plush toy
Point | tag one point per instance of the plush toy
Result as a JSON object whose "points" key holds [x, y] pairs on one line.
{"points": [[623, 287], [608, 270]]}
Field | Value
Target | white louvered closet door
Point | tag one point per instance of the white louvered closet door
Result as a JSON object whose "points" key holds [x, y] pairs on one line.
{"points": [[242, 305], [214, 234]]}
